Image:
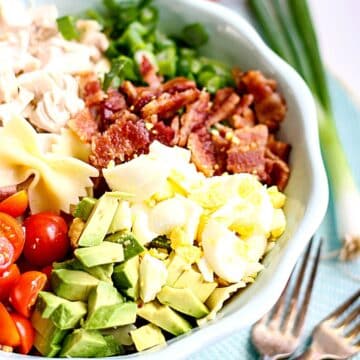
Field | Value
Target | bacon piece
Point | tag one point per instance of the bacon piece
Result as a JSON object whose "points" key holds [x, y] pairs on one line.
{"points": [[225, 110], [202, 151], [123, 140], [166, 105], [178, 84], [7, 191], [220, 96], [279, 148], [148, 73], [92, 93], [277, 170], [84, 125], [161, 132], [130, 91], [243, 115], [270, 107], [247, 151], [114, 103], [144, 97], [175, 125], [194, 116]]}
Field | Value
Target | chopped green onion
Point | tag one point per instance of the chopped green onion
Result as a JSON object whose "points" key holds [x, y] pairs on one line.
{"points": [[166, 60], [160, 242], [298, 38], [148, 16], [67, 27], [122, 68], [194, 35]]}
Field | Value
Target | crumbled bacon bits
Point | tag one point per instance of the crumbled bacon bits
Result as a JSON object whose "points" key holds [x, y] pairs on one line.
{"points": [[232, 132]]}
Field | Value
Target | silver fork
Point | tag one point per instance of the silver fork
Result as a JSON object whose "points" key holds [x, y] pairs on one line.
{"points": [[277, 334], [337, 336]]}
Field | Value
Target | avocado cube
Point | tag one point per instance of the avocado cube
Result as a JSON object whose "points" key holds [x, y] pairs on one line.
{"points": [[105, 253], [131, 245], [111, 316], [84, 208], [112, 346], [101, 272], [47, 335], [99, 221], [132, 293], [183, 300], [68, 314], [47, 302], [164, 317], [194, 281], [176, 266], [122, 219], [72, 284], [147, 337], [44, 347], [106, 308], [126, 275], [84, 343], [121, 334]]}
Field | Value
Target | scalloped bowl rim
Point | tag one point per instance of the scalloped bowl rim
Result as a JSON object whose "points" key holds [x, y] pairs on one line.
{"points": [[183, 346]]}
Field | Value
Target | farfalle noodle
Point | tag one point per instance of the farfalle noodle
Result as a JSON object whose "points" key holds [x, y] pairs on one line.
{"points": [[57, 180]]}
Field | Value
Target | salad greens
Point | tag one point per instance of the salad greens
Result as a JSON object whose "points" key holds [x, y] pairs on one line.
{"points": [[133, 29], [288, 29]]}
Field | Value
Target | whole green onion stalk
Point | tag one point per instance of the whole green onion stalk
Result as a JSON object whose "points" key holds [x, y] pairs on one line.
{"points": [[288, 29]]}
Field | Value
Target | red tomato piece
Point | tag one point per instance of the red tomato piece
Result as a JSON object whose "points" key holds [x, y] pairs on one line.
{"points": [[46, 239], [16, 204], [47, 271], [9, 334], [7, 254], [11, 229], [7, 280], [26, 332], [24, 294]]}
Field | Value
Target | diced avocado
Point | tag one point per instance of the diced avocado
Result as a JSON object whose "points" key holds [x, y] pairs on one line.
{"points": [[101, 272], [68, 314], [164, 317], [126, 275], [84, 343], [46, 328], [84, 208], [106, 308], [121, 334], [112, 346], [65, 314], [131, 293], [47, 302], [47, 335], [99, 221], [45, 348], [111, 316], [147, 337], [105, 253], [182, 300], [122, 219], [194, 281], [176, 266], [131, 245], [72, 284]]}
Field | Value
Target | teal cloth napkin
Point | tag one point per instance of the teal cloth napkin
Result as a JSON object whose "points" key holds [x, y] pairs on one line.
{"points": [[335, 280]]}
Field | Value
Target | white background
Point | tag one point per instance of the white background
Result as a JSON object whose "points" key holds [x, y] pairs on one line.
{"points": [[338, 28]]}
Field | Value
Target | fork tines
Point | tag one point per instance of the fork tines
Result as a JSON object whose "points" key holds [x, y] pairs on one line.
{"points": [[291, 318]]}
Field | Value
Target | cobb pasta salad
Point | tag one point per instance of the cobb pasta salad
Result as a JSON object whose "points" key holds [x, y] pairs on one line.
{"points": [[140, 182]]}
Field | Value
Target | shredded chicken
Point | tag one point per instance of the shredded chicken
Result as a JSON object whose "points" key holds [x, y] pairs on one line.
{"points": [[39, 69]]}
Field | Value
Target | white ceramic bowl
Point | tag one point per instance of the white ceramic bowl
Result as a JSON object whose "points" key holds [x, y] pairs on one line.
{"points": [[233, 40]]}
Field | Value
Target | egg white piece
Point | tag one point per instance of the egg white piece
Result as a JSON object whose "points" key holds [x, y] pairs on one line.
{"points": [[141, 228], [223, 251]]}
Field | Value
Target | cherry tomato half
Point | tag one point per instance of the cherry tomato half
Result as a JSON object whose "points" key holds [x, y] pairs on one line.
{"points": [[46, 239], [7, 280], [24, 294], [9, 334], [7, 254], [16, 204], [11, 229], [26, 332]]}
